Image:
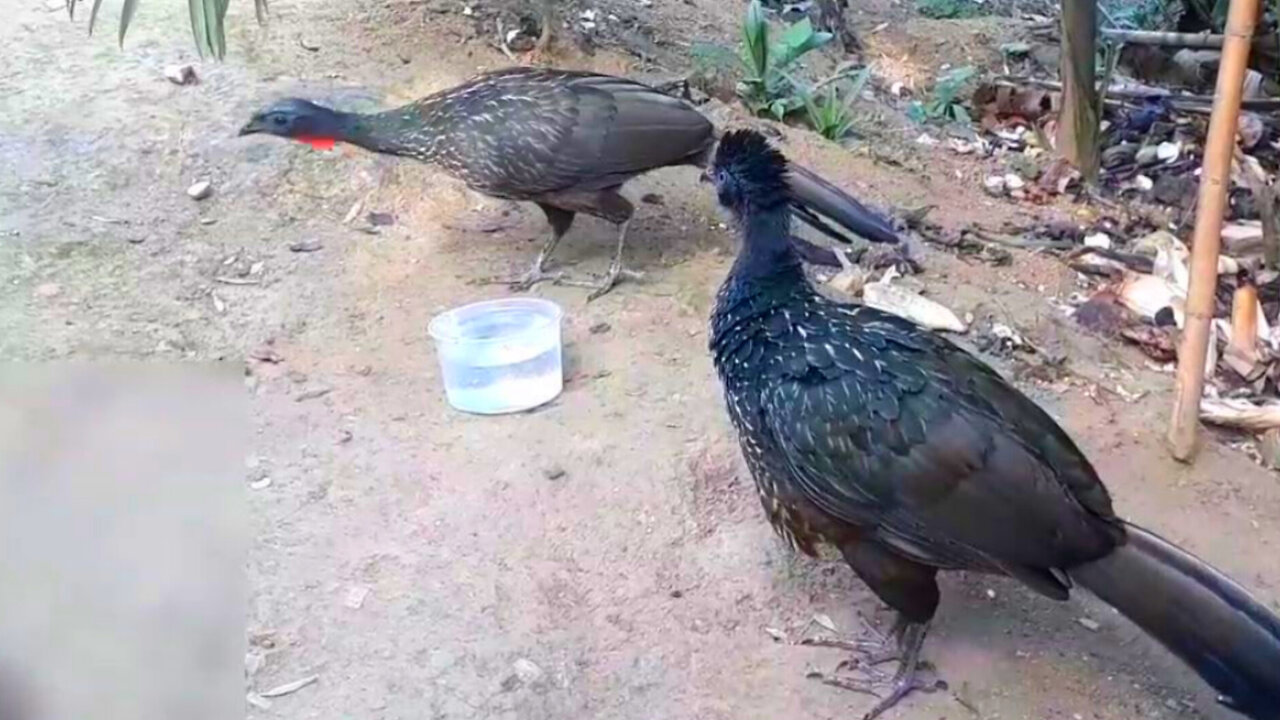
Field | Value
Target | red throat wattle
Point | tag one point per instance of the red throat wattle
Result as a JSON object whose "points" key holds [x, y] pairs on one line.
{"points": [[318, 142]]}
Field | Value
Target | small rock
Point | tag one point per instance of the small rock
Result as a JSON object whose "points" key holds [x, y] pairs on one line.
{"points": [[136, 239], [1091, 625], [993, 185], [600, 328], [1168, 151], [344, 437], [1014, 181], [297, 376], [313, 393], [652, 199], [356, 595], [364, 370], [261, 484], [555, 472], [991, 594], [380, 219], [305, 246], [181, 74], [200, 190], [528, 671], [48, 290]]}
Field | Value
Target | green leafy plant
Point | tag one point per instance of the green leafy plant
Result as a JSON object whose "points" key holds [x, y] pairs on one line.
{"points": [[945, 103], [949, 9], [207, 21], [766, 88], [830, 110]]}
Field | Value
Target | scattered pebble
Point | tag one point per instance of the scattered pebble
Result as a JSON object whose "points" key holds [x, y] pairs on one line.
{"points": [[527, 670], [776, 634], [379, 219], [261, 484], [356, 595], [180, 74], [344, 436], [305, 246], [1091, 625], [600, 328], [313, 393], [652, 199], [555, 472], [48, 290], [1014, 181], [993, 185], [200, 190], [991, 594], [364, 370]]}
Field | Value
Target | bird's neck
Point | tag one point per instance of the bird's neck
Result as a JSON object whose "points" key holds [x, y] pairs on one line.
{"points": [[767, 254], [394, 132], [767, 272]]}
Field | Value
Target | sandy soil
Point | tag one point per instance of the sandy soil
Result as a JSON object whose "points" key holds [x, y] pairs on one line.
{"points": [[612, 539]]}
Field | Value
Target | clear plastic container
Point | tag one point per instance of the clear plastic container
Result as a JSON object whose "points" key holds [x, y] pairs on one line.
{"points": [[500, 356]]}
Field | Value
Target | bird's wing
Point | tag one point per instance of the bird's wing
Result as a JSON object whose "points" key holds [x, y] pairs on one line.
{"points": [[891, 428], [539, 131]]}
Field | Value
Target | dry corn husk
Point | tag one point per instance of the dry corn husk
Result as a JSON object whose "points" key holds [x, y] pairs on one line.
{"points": [[883, 295]]}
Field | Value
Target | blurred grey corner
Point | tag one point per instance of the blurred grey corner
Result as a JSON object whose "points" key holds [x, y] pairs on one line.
{"points": [[123, 539]]}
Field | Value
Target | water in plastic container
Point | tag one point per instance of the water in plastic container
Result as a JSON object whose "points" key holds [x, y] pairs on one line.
{"points": [[500, 356]]}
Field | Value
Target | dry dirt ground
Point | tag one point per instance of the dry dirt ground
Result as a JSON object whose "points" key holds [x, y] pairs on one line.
{"points": [[603, 557]]}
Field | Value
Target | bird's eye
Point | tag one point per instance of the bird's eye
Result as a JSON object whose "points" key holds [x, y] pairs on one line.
{"points": [[278, 120]]}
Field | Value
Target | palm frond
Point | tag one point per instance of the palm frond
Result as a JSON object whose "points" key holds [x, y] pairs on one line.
{"points": [[208, 28]]}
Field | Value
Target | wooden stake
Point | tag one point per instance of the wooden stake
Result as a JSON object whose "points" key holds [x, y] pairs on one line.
{"points": [[1207, 239], [1078, 136]]}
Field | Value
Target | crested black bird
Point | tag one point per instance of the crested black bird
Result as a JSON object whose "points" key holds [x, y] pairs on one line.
{"points": [[564, 140], [910, 456]]}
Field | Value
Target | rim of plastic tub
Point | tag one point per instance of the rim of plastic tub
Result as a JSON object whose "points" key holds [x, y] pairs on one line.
{"points": [[436, 328]]}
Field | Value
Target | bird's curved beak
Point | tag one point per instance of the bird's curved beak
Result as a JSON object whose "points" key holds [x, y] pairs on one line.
{"points": [[705, 177], [249, 129]]}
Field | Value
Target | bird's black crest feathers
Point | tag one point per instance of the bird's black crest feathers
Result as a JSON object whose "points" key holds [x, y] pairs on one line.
{"points": [[757, 169]]}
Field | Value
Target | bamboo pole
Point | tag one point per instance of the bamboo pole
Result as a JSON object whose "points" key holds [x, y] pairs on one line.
{"points": [[1207, 239], [1181, 40]]}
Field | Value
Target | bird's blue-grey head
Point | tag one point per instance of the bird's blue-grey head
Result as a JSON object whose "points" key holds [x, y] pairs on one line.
{"points": [[748, 173], [296, 118]]}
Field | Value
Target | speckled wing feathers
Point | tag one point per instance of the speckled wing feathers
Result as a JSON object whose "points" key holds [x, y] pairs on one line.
{"points": [[898, 432], [521, 133]]}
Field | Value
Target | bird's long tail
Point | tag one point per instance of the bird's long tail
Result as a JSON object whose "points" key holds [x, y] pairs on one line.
{"points": [[1202, 616], [819, 204]]}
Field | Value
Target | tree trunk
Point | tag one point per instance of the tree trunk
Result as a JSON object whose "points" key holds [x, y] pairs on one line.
{"points": [[1078, 123]]}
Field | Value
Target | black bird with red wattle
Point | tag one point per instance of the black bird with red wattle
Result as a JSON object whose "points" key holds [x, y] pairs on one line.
{"points": [[567, 141]]}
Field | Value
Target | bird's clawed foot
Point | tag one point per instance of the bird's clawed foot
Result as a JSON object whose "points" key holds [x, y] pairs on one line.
{"points": [[615, 275], [904, 682], [525, 282], [902, 645]]}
